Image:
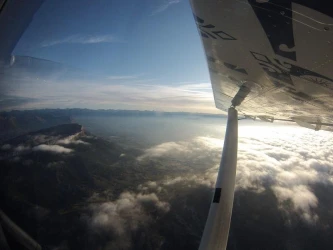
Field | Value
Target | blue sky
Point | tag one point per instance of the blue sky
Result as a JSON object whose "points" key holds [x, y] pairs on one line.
{"points": [[131, 55]]}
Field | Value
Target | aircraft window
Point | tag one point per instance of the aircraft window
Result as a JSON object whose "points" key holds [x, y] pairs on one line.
{"points": [[110, 137]]}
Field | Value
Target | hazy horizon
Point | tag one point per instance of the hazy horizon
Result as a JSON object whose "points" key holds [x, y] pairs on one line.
{"points": [[218, 113]]}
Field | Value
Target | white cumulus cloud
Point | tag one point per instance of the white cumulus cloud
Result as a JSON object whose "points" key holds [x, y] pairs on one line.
{"points": [[72, 139], [125, 215], [52, 148]]}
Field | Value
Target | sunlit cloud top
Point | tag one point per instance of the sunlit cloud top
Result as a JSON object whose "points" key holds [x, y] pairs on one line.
{"points": [[288, 160]]}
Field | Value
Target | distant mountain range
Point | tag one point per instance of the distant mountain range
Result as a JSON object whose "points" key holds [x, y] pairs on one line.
{"points": [[15, 123], [115, 112]]}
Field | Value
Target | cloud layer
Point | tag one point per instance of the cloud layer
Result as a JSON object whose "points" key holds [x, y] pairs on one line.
{"points": [[63, 88], [42, 142], [286, 159], [32, 83], [120, 218]]}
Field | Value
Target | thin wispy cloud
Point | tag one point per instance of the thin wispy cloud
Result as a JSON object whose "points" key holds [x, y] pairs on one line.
{"points": [[123, 77], [81, 39], [123, 96], [165, 4], [63, 87], [161, 97], [116, 92]]}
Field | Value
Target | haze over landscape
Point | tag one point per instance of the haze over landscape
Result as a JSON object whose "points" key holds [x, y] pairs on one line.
{"points": [[146, 182]]}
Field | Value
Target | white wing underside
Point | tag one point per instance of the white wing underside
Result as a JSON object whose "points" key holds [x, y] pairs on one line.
{"points": [[281, 56]]}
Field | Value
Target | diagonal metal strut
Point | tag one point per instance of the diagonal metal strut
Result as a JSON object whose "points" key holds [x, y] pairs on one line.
{"points": [[215, 236]]}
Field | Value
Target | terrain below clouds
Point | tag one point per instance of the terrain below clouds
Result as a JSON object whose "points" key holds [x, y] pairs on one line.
{"points": [[72, 190]]}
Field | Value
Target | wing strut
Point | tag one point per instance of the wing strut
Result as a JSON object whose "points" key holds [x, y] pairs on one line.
{"points": [[215, 236], [17, 233]]}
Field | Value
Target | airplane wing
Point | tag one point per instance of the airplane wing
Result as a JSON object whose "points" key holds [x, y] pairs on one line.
{"points": [[268, 59], [277, 55]]}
